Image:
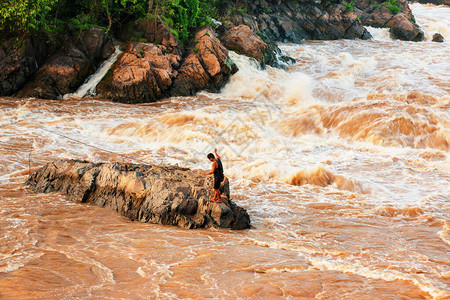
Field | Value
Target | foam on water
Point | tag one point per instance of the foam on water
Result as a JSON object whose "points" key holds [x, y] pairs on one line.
{"points": [[432, 19], [379, 34]]}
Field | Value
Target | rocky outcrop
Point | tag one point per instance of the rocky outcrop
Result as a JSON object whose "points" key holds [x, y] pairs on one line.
{"points": [[149, 71], [404, 29], [64, 71], [295, 21], [167, 195], [242, 40], [18, 62], [379, 13], [396, 16], [151, 31], [144, 73], [207, 66], [436, 2]]}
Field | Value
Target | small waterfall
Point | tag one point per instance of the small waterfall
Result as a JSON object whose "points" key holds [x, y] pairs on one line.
{"points": [[379, 34], [90, 84]]}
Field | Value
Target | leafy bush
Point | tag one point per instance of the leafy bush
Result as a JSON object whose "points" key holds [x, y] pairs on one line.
{"points": [[26, 16], [349, 6], [393, 7], [35, 16]]}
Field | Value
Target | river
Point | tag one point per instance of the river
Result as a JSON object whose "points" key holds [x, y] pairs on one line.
{"points": [[342, 161]]}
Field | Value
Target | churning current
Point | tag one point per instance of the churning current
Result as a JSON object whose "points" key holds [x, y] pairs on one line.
{"points": [[342, 161]]}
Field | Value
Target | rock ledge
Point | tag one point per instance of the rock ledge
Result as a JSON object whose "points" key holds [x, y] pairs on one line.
{"points": [[168, 195]]}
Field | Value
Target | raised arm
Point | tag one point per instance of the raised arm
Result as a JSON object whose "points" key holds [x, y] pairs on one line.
{"points": [[215, 152]]}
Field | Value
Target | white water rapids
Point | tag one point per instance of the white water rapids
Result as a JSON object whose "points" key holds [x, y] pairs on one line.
{"points": [[342, 161]]}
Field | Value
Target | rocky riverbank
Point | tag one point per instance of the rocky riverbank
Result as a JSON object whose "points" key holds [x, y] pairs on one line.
{"points": [[296, 21], [155, 64], [168, 195], [435, 2]]}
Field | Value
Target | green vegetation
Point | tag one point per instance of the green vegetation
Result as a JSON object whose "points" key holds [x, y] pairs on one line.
{"points": [[349, 6], [26, 15], [393, 7], [52, 16], [242, 11]]}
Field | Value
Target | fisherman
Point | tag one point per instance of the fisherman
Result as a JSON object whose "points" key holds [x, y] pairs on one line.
{"points": [[217, 170]]}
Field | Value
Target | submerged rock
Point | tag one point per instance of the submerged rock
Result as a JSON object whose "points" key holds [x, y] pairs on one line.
{"points": [[438, 38], [168, 195]]}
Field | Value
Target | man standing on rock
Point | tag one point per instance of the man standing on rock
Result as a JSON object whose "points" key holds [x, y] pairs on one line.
{"points": [[217, 170]]}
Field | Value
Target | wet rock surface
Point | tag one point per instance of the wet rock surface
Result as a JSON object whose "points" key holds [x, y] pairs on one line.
{"points": [[404, 29], [144, 73], [19, 62], [168, 195], [65, 70], [438, 38], [295, 21], [241, 39], [398, 17], [378, 13], [207, 66], [147, 71]]}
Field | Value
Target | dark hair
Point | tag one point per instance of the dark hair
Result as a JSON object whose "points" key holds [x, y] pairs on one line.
{"points": [[210, 155]]}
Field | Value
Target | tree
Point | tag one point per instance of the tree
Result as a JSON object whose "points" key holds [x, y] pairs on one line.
{"points": [[26, 15]]}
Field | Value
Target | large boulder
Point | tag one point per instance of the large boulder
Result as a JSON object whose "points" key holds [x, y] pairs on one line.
{"points": [[241, 39], [168, 195], [144, 73], [19, 61], [207, 66], [65, 70], [403, 29]]}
